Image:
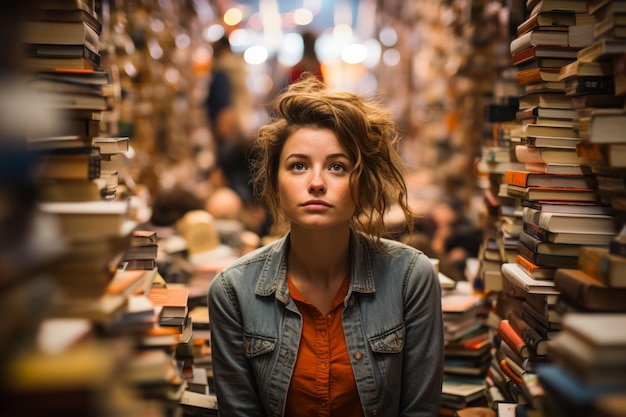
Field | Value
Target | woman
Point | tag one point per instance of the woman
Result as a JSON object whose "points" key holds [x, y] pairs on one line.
{"points": [[331, 319]]}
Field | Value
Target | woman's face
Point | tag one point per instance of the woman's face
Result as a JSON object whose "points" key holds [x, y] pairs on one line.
{"points": [[314, 180]]}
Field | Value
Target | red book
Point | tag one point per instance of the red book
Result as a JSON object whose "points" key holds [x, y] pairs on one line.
{"points": [[512, 338]]}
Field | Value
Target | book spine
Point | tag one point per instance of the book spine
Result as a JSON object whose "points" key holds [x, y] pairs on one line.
{"points": [[530, 336], [527, 253], [516, 178], [91, 39], [512, 338], [591, 261]]}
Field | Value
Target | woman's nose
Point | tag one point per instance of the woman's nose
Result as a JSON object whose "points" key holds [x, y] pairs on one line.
{"points": [[317, 183]]}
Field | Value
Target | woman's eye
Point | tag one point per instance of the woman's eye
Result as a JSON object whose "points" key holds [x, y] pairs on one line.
{"points": [[299, 166], [336, 167]]}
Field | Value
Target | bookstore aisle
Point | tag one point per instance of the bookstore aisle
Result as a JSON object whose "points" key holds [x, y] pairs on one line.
{"points": [[517, 105]]}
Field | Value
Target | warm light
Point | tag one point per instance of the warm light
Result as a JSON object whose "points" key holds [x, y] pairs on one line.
{"points": [[354, 53], [388, 36], [343, 33], [290, 50], [391, 57], [373, 53], [157, 25], [213, 33], [256, 54], [156, 52], [172, 75], [182, 41], [302, 17], [233, 16], [239, 39]]}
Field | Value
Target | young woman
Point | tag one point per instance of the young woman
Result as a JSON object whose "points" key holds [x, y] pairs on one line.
{"points": [[331, 319]]}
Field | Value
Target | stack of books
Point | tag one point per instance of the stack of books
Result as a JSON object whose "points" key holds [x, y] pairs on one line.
{"points": [[467, 349], [587, 366], [142, 252]]}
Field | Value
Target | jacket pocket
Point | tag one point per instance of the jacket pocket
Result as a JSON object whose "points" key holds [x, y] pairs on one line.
{"points": [[387, 348], [258, 350]]}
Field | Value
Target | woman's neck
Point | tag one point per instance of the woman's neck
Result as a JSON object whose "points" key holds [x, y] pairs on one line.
{"points": [[319, 256]]}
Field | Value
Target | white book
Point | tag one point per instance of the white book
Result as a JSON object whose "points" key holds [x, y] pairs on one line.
{"points": [[515, 275]]}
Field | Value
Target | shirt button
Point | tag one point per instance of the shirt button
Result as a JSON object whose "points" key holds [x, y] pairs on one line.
{"points": [[358, 356], [375, 412]]}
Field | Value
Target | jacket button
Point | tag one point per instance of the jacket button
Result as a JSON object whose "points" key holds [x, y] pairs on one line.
{"points": [[358, 356], [375, 412]]}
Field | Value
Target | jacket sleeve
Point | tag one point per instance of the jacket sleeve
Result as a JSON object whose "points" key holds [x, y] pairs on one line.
{"points": [[235, 384], [424, 351]]}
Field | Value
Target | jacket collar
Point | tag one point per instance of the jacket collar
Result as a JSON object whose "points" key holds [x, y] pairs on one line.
{"points": [[273, 278]]}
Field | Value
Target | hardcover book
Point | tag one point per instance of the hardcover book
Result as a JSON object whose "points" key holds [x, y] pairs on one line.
{"points": [[587, 292]]}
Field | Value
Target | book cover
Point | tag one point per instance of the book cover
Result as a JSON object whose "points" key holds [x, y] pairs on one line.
{"points": [[61, 33], [552, 193], [603, 265], [587, 292], [546, 259], [507, 333], [541, 247], [570, 223], [534, 270], [532, 154], [569, 207], [514, 274], [609, 155], [533, 179], [597, 239], [539, 37]]}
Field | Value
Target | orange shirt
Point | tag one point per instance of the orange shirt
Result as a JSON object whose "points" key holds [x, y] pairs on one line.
{"points": [[322, 383]]}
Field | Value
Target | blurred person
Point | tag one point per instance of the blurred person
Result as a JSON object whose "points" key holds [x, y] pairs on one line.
{"points": [[230, 113], [331, 318], [309, 63]]}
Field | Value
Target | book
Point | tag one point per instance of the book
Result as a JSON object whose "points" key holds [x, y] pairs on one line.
{"points": [[140, 252], [533, 179], [464, 389], [555, 206], [554, 113], [570, 223], [536, 75], [608, 268], [599, 333], [538, 37], [539, 6], [508, 334], [544, 51], [569, 395], [112, 145], [557, 168], [550, 131], [68, 101], [546, 259], [75, 14], [596, 239], [532, 154], [90, 219], [549, 317], [514, 274], [552, 193], [533, 270], [587, 292], [549, 142], [606, 155], [602, 128], [60, 33], [544, 63], [142, 237], [549, 248], [69, 76], [547, 18], [80, 163], [584, 363], [59, 191], [580, 68], [587, 85], [555, 100], [49, 57], [600, 49]]}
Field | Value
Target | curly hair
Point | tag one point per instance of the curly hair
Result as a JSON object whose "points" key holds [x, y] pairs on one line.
{"points": [[366, 131]]}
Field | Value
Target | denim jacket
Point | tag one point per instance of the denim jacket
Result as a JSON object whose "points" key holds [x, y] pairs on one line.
{"points": [[392, 322]]}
